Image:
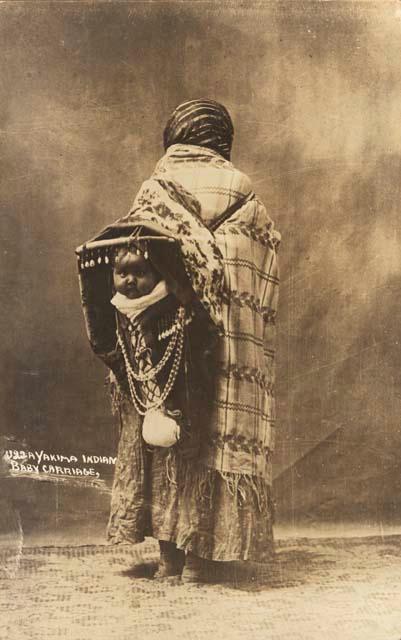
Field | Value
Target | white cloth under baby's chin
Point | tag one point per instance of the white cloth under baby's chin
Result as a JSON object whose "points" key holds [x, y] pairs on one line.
{"points": [[133, 307]]}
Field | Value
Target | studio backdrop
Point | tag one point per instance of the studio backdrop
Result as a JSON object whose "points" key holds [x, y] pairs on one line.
{"points": [[314, 95]]}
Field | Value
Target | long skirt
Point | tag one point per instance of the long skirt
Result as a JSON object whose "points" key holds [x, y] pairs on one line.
{"points": [[157, 493], [215, 518]]}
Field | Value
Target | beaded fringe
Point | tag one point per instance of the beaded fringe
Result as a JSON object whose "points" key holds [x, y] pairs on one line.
{"points": [[116, 394]]}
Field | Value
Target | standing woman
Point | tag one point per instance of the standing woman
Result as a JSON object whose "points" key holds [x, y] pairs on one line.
{"points": [[209, 240]]}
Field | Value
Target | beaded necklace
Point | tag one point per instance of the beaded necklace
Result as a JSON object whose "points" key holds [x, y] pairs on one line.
{"points": [[174, 350]]}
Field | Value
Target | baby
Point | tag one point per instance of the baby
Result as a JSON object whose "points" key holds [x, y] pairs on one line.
{"points": [[133, 274], [139, 286]]}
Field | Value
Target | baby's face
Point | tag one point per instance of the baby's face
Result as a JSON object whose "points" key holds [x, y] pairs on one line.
{"points": [[133, 276]]}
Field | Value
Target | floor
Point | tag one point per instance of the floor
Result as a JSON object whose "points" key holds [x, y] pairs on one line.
{"points": [[317, 588]]}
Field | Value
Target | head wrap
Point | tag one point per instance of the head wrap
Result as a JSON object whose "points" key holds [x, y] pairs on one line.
{"points": [[204, 123]]}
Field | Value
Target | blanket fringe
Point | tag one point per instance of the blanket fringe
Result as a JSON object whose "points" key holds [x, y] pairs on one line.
{"points": [[201, 481], [241, 485]]}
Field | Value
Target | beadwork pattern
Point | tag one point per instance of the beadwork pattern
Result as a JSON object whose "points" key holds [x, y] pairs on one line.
{"points": [[173, 350]]}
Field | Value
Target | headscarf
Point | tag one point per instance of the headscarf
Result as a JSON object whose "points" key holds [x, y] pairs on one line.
{"points": [[204, 123]]}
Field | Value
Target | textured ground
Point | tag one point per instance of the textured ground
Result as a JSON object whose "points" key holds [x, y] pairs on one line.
{"points": [[340, 589]]}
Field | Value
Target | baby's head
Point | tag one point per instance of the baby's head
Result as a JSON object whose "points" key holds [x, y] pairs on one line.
{"points": [[134, 275]]}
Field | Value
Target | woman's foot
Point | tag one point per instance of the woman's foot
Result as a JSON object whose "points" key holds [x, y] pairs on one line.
{"points": [[195, 569], [171, 560]]}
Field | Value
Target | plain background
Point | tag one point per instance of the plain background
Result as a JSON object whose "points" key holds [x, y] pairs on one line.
{"points": [[314, 92]]}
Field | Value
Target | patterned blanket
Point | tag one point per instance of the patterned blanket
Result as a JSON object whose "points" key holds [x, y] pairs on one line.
{"points": [[234, 272]]}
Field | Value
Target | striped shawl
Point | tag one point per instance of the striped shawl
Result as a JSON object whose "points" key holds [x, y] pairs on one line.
{"points": [[239, 437]]}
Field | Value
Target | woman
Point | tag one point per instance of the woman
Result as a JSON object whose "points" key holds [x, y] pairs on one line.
{"points": [[214, 503]]}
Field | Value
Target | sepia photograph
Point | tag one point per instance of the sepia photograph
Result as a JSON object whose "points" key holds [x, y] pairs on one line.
{"points": [[200, 384]]}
